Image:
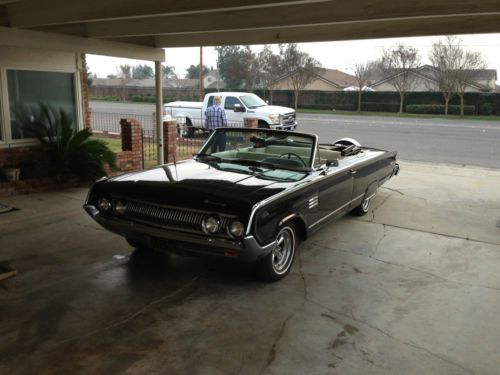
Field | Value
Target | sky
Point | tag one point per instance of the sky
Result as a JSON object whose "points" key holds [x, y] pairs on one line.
{"points": [[332, 55]]}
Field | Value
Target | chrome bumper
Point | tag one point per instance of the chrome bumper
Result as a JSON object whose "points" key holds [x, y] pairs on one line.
{"points": [[246, 249]]}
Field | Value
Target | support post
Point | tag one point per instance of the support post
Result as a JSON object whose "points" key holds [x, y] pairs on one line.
{"points": [[159, 113]]}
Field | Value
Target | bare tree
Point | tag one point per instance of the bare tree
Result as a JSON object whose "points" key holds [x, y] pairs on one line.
{"points": [[468, 65], [270, 70], [399, 65], [362, 71], [444, 57], [300, 68], [124, 72]]}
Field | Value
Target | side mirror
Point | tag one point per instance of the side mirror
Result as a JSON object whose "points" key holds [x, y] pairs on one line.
{"points": [[332, 163], [238, 108]]}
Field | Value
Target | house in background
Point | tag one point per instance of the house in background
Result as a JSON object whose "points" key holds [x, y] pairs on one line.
{"points": [[213, 80], [326, 80], [426, 80]]}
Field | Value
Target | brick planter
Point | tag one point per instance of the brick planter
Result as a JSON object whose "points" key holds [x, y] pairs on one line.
{"points": [[36, 185]]}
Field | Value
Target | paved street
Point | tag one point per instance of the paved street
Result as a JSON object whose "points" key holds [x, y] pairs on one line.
{"points": [[453, 141]]}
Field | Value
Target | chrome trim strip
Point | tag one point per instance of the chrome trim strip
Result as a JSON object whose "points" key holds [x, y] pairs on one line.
{"points": [[334, 212], [371, 196], [299, 186], [286, 218]]}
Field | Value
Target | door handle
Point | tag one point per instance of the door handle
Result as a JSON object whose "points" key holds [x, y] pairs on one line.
{"points": [[352, 171]]}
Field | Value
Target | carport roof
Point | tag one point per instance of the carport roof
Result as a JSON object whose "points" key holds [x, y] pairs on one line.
{"points": [[160, 24]]}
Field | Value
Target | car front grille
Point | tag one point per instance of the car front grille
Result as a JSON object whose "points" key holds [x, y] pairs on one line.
{"points": [[289, 118], [171, 217]]}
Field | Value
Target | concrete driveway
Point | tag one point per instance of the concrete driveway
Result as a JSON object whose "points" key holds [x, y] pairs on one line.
{"points": [[411, 288]]}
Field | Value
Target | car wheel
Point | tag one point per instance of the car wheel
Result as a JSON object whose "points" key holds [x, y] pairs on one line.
{"points": [[363, 208], [279, 261]]}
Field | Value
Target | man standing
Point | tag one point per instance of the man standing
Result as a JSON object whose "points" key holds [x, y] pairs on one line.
{"points": [[215, 117]]}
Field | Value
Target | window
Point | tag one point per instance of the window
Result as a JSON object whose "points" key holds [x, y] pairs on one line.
{"points": [[28, 89], [231, 101], [210, 101]]}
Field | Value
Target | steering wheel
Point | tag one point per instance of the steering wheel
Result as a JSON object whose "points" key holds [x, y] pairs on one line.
{"points": [[290, 154]]}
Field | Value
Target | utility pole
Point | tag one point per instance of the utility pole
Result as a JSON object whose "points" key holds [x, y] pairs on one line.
{"points": [[202, 89]]}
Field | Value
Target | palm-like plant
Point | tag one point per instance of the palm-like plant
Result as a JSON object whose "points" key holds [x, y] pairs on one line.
{"points": [[66, 150]]}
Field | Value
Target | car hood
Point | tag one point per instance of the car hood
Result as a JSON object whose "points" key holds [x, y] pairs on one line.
{"points": [[195, 185], [272, 110]]}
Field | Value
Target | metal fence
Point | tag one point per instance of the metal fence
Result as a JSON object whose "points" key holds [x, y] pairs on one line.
{"points": [[189, 139]]}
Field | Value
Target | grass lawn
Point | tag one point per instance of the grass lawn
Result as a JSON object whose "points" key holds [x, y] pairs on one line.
{"points": [[402, 115], [183, 151]]}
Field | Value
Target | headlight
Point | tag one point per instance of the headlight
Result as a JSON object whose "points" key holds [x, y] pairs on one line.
{"points": [[275, 119], [104, 204], [211, 224], [120, 207], [236, 229]]}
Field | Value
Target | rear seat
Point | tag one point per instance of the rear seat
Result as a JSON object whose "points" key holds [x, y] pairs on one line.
{"points": [[325, 155]]}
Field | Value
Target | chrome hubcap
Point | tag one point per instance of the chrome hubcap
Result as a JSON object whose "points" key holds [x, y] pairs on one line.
{"points": [[365, 205], [283, 251]]}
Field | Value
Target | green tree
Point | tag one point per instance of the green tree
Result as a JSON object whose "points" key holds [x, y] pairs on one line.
{"points": [[234, 67], [193, 72], [168, 71], [270, 65], [142, 71]]}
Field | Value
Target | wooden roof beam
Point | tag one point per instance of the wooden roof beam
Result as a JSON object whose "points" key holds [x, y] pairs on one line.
{"points": [[347, 31], [321, 14], [35, 13]]}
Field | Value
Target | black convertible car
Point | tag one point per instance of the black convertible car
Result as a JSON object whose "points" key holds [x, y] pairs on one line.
{"points": [[249, 194]]}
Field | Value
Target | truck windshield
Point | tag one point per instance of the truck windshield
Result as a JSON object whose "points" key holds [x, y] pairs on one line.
{"points": [[252, 101]]}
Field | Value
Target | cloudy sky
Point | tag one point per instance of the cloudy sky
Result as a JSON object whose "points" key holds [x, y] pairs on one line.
{"points": [[333, 55]]}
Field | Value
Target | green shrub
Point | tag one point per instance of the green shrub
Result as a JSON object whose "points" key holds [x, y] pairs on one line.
{"points": [[105, 98], [66, 151], [438, 109], [486, 109]]}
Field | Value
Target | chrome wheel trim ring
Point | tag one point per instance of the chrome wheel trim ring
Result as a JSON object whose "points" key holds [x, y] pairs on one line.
{"points": [[283, 251], [365, 205]]}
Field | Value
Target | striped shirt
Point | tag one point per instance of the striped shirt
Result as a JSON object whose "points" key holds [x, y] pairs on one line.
{"points": [[215, 117]]}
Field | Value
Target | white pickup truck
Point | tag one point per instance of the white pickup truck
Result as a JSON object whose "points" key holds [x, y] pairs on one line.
{"points": [[237, 106]]}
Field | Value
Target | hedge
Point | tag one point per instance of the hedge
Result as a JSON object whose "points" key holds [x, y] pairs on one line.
{"points": [[439, 109]]}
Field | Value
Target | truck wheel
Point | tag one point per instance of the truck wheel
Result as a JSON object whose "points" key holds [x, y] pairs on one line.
{"points": [[279, 261], [262, 125], [363, 208]]}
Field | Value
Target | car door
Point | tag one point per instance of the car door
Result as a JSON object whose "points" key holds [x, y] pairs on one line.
{"points": [[334, 192], [232, 116]]}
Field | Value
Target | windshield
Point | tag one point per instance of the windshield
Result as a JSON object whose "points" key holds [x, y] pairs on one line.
{"points": [[252, 101], [263, 149]]}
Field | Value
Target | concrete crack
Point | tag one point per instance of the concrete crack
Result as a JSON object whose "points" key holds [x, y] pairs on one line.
{"points": [[427, 273], [392, 337], [380, 205], [394, 190], [131, 317], [272, 351], [380, 241]]}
